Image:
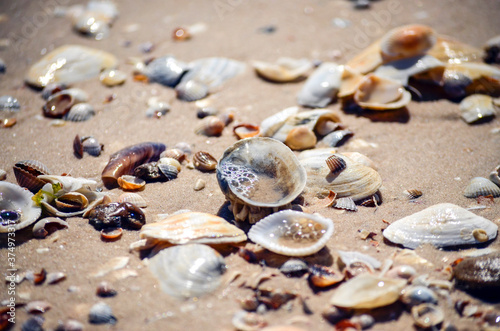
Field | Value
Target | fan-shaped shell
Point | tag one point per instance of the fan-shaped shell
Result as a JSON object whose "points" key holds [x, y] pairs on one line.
{"points": [[380, 93], [191, 90], [408, 41], [27, 173], [477, 107], [193, 228], [441, 225], [213, 71], [284, 70], [80, 112], [165, 70], [133, 198], [292, 233], [480, 186], [345, 203], [16, 207], [322, 86], [188, 271]]}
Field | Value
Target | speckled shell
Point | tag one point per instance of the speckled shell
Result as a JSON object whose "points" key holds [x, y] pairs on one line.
{"points": [[292, 233], [477, 107], [479, 186], [188, 271], [407, 41], [441, 225], [193, 228], [322, 86], [17, 199]]}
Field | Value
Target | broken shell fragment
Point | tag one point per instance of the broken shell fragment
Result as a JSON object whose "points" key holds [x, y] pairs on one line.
{"points": [[480, 186], [345, 203], [292, 233], [38, 307], [111, 234], [47, 225], [379, 93], [407, 41], [246, 130], [441, 225], [284, 70], [17, 209], [55, 277], [477, 107], [495, 176]]}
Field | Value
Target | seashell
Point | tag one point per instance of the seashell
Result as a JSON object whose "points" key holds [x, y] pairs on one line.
{"points": [[300, 138], [3, 66], [52, 89], [149, 171], [199, 185], [478, 273], [206, 111], [413, 194], [480, 186], [169, 171], [337, 138], [248, 321], [284, 70], [3, 174], [427, 315], [495, 175], [366, 61], [294, 268], [321, 276], [210, 126], [416, 295], [322, 153], [33, 323], [356, 181], [492, 50], [402, 271], [174, 153], [402, 70], [69, 64], [350, 79], [126, 160], [441, 225], [273, 123], [121, 215], [204, 161], [349, 258], [92, 146], [335, 163], [292, 233], [170, 161], [48, 225], [449, 50], [188, 271], [180, 34], [473, 78], [71, 201], [322, 86], [246, 130], [59, 104], [367, 291], [345, 203], [476, 108], [80, 112], [193, 228], [112, 77], [78, 147], [68, 183], [133, 198], [158, 109], [37, 307], [165, 70], [27, 173], [131, 183], [407, 41], [191, 90], [259, 176], [91, 25], [101, 313], [8, 106], [17, 209], [105, 290], [111, 234], [55, 277], [380, 93], [213, 71]]}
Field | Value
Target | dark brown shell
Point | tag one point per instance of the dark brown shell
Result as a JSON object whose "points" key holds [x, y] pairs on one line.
{"points": [[58, 105], [126, 160], [113, 215], [481, 272], [26, 173], [336, 164], [204, 161], [78, 147]]}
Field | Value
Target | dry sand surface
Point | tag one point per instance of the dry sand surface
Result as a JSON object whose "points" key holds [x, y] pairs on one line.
{"points": [[428, 148]]}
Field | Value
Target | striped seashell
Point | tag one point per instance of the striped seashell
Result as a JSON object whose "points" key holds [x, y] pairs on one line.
{"points": [[210, 126], [336, 164], [133, 198], [191, 90], [27, 173], [204, 161], [80, 112], [168, 170], [165, 70], [480, 186], [345, 203], [413, 193]]}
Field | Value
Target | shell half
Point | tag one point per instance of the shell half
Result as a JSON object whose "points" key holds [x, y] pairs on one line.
{"points": [[16, 207]]}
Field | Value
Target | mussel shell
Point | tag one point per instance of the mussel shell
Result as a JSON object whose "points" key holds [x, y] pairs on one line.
{"points": [[16, 207], [480, 186], [26, 173], [78, 147], [204, 161]]}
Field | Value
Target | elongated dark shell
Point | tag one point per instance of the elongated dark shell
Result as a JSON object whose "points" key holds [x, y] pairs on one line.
{"points": [[26, 173], [115, 214], [78, 147], [204, 161], [481, 272], [126, 160]]}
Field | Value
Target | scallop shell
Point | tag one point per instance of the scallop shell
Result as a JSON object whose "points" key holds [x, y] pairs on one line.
{"points": [[191, 90], [132, 183], [292, 233], [407, 41], [27, 173], [133, 198], [477, 107], [284, 70], [204, 161], [367, 291], [188, 271], [80, 112], [193, 228], [380, 93], [17, 209], [210, 126], [112, 77], [441, 225], [479, 186], [258, 176], [69, 64], [495, 176], [165, 70], [345, 203], [335, 163], [322, 86]]}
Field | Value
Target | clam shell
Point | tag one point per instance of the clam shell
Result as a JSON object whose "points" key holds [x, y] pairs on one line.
{"points": [[52, 89], [407, 41], [294, 267], [300, 138], [477, 107], [322, 86], [191, 90], [350, 81], [495, 176], [71, 201], [292, 233], [479, 186], [380, 93], [72, 63], [322, 276], [132, 183], [367, 291], [112, 77], [59, 104], [204, 161], [43, 227], [165, 70], [27, 173], [270, 125], [193, 227], [441, 225], [210, 126], [17, 209], [284, 70], [169, 171], [213, 71], [188, 271], [402, 70], [3, 174], [133, 198], [335, 163], [170, 161], [80, 112]]}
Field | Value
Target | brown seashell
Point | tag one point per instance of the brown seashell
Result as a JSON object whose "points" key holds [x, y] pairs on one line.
{"points": [[413, 194], [246, 130], [480, 186], [336, 164], [78, 147], [131, 183], [133, 198], [111, 234], [47, 225], [227, 118], [105, 290], [407, 41], [210, 126], [8, 122], [58, 105], [40, 277], [38, 307], [204, 161], [322, 276], [301, 137], [174, 153], [26, 173], [478, 273], [72, 201]]}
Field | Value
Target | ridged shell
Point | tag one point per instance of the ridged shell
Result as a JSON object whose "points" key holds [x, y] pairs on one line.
{"points": [[380, 93], [367, 291], [80, 112], [133, 198], [477, 107], [292, 233], [345, 203], [210, 126], [213, 71], [335, 163], [165, 70], [495, 176], [193, 228], [191, 90], [101, 313], [441, 225], [407, 41], [479, 186], [322, 86], [27, 173], [284, 70], [204, 161], [17, 209], [52, 209], [188, 271], [169, 171]]}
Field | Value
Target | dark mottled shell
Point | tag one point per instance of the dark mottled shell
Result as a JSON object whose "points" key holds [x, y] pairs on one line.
{"points": [[336, 164], [126, 160], [112, 215], [26, 173], [294, 268], [148, 171], [204, 161], [481, 272]]}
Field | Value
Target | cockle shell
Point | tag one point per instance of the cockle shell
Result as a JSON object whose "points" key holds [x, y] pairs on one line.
{"points": [[495, 176], [133, 198], [69, 64], [322, 86], [441, 225], [188, 271], [480, 186], [27, 173], [193, 228], [407, 41], [292, 233], [378, 93], [80, 112], [17, 209], [367, 291], [477, 107], [165, 70], [284, 70], [204, 161]]}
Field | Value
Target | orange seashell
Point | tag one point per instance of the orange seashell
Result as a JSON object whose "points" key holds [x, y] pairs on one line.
{"points": [[131, 183], [111, 234], [181, 34], [246, 130], [407, 41]]}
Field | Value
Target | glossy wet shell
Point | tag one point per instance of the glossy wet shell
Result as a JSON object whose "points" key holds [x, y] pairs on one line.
{"points": [[441, 225], [165, 70], [89, 200], [27, 173], [80, 112], [188, 271], [59, 104], [378, 93], [292, 233], [16, 207], [481, 272], [193, 228], [408, 41], [322, 86], [480, 186], [477, 107], [449, 50]]}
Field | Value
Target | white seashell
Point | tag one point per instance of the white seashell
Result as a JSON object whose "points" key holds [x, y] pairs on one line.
{"points": [[335, 138], [292, 233], [320, 153], [284, 70], [213, 71], [480, 186], [477, 107], [55, 277], [322, 86], [191, 90], [193, 227], [378, 93], [415, 295], [133, 198], [441, 225], [68, 183], [165, 70], [402, 70], [345, 203], [17, 210], [188, 271], [367, 291], [69, 64], [495, 176], [112, 77], [48, 223], [80, 112], [351, 257], [270, 125], [361, 158]]}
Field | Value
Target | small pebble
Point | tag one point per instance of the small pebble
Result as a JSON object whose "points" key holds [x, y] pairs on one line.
{"points": [[199, 185]]}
